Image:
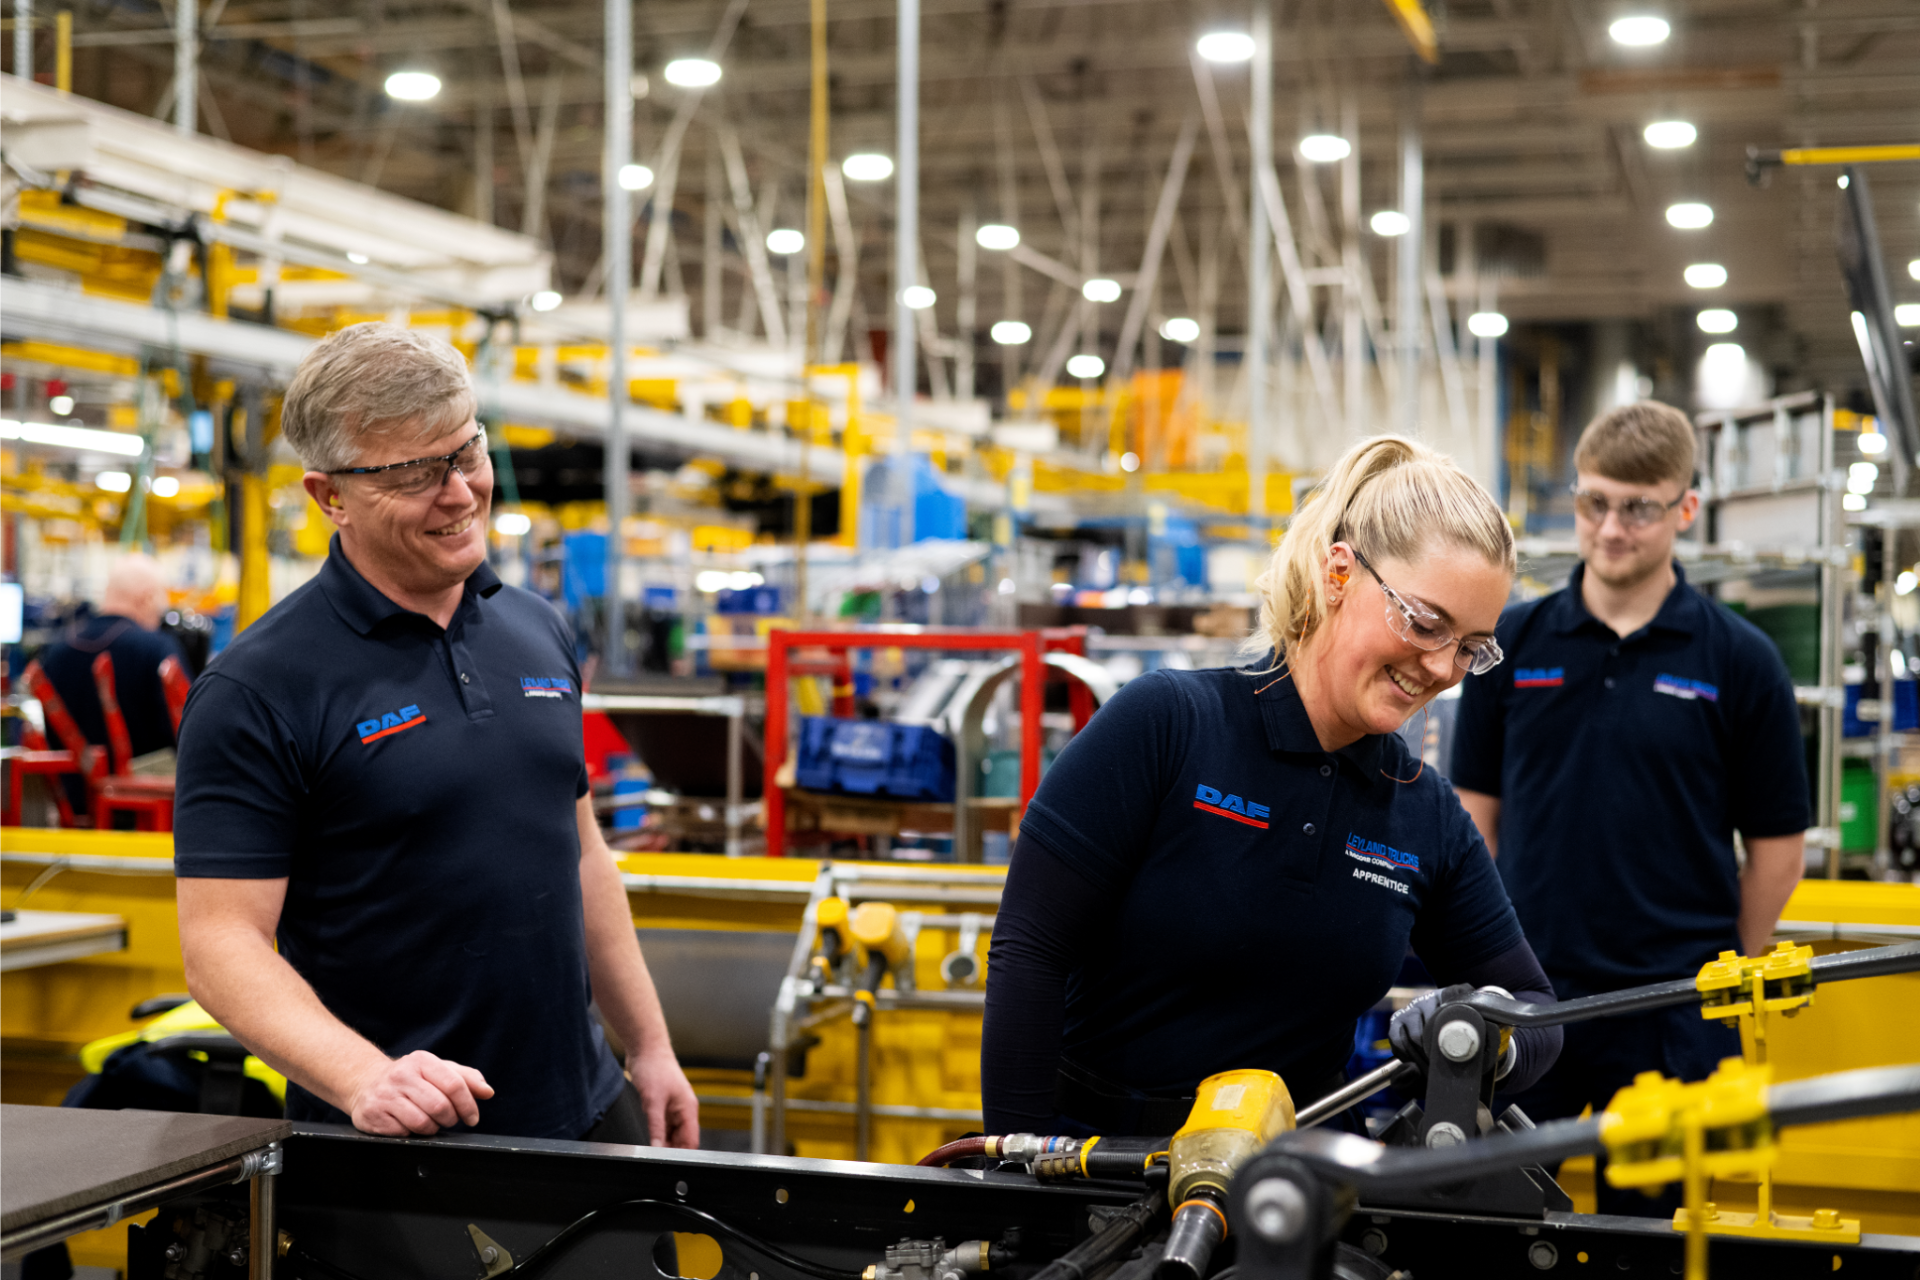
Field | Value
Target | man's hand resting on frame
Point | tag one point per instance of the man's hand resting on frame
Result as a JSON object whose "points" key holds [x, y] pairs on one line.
{"points": [[673, 1114], [418, 1094]]}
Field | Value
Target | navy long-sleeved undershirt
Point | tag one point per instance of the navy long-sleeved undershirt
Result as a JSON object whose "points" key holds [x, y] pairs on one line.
{"points": [[1047, 917]]}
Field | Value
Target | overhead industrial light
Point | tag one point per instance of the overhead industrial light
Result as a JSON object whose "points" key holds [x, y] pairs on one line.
{"points": [[635, 177], [1010, 333], [996, 235], [413, 86], [1100, 289], [1225, 46], [692, 73], [513, 524], [785, 240], [86, 439], [1690, 215], [1717, 320], [917, 297], [545, 300], [165, 486], [1180, 329], [1907, 315], [1129, 461], [1862, 476], [1853, 501], [1913, 268], [1390, 222], [1842, 181], [1871, 442], [1639, 30], [1325, 148], [357, 259], [1487, 324], [1669, 135], [867, 166], [60, 405], [1085, 366], [114, 481], [1706, 275], [1905, 583]]}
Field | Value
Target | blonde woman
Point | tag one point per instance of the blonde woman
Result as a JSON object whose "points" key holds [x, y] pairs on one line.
{"points": [[1226, 868]]}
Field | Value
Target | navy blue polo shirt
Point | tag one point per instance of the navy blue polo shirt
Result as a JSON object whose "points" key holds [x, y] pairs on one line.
{"points": [[416, 787], [1623, 766], [1268, 890]]}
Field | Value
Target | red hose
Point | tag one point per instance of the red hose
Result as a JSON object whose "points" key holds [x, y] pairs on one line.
{"points": [[955, 1151]]}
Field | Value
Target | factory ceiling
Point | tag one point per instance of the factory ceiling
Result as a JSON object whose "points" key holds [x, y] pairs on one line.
{"points": [[1059, 117]]}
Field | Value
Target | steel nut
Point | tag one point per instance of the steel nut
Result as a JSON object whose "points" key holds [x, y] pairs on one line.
{"points": [[1543, 1255], [1446, 1134], [1277, 1209], [1459, 1041]]}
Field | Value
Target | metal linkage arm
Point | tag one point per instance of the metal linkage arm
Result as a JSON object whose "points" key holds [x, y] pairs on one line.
{"points": [[1504, 1010]]}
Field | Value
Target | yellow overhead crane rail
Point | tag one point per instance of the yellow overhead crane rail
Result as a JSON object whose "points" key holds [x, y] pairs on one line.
{"points": [[1761, 159]]}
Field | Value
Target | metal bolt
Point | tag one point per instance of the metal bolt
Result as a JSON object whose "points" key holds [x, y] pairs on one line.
{"points": [[1459, 1041], [1374, 1241], [489, 1255], [237, 1255], [176, 1251], [1277, 1209], [1543, 1255], [1446, 1134]]}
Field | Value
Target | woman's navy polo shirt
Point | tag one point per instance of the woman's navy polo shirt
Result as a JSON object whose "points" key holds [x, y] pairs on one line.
{"points": [[1623, 767], [1268, 890], [417, 788]]}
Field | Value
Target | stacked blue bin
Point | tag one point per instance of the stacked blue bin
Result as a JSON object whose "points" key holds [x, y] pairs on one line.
{"points": [[874, 758]]}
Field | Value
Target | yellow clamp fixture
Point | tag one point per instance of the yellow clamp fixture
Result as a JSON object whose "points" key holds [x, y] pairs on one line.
{"points": [[875, 926], [1780, 982], [1644, 1127]]}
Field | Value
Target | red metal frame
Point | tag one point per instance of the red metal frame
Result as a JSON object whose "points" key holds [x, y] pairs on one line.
{"points": [[1030, 645]]}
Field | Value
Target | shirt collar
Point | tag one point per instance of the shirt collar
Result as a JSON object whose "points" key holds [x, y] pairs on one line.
{"points": [[1678, 612], [1290, 730], [364, 606]]}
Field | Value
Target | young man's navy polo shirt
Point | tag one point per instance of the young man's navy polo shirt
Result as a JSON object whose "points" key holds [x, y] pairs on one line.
{"points": [[417, 787], [1623, 766], [1267, 889]]}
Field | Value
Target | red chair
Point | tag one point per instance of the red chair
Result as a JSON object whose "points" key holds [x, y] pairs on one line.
{"points": [[174, 683], [34, 758], [149, 800], [80, 756]]}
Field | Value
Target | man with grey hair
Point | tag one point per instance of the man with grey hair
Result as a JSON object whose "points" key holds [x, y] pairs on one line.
{"points": [[385, 774]]}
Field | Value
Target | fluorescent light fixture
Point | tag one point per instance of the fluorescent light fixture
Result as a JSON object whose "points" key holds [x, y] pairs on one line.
{"points": [[86, 439], [1487, 324], [1670, 135], [1225, 46], [1706, 275], [1689, 215], [1871, 442], [357, 259], [1639, 31], [1129, 462], [545, 300], [692, 73], [1084, 366], [1180, 329], [165, 486], [114, 481], [996, 235], [1853, 502], [917, 297], [513, 523], [1862, 476], [785, 240], [1010, 333], [1324, 148], [1100, 290], [413, 86], [1390, 222], [1907, 315], [60, 406], [867, 166], [1717, 320], [635, 177]]}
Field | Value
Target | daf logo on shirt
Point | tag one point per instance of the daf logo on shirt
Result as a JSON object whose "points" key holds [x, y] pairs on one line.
{"points": [[391, 723], [1209, 800]]}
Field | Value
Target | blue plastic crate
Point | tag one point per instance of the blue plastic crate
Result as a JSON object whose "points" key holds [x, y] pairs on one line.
{"points": [[873, 757]]}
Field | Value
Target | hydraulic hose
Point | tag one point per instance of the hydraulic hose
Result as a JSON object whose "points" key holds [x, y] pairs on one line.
{"points": [[965, 1147]]}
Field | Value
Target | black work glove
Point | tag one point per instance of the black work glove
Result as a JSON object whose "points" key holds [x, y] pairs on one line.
{"points": [[1407, 1030]]}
